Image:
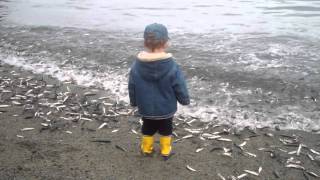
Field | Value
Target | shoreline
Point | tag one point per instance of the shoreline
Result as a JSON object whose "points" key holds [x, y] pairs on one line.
{"points": [[60, 145]]}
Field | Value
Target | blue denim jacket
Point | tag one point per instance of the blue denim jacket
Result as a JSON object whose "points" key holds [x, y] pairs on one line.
{"points": [[155, 87]]}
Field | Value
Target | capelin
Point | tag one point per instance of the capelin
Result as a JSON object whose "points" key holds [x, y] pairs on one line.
{"points": [[27, 129], [190, 168], [251, 172]]}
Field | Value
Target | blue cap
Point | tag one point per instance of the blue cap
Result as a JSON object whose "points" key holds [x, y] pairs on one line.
{"points": [[160, 31]]}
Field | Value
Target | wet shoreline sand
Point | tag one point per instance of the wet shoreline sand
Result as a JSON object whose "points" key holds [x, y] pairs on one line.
{"points": [[62, 146]]}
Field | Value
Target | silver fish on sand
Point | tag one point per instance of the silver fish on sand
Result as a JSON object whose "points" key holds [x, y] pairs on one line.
{"points": [[102, 125], [221, 177], [296, 166], [199, 149], [134, 131], [299, 149], [27, 129], [115, 130], [242, 176], [251, 172], [190, 168]]}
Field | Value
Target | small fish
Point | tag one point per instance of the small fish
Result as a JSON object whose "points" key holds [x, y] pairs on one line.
{"points": [[27, 129], [314, 151], [121, 148], [292, 152], [187, 136], [260, 169], [6, 91], [240, 147], [242, 176], [310, 157], [268, 134], [134, 131], [102, 125], [221, 177], [89, 94], [175, 134], [69, 132], [16, 103], [299, 150], [243, 144], [4, 106], [67, 119], [115, 130], [104, 110], [313, 174], [86, 119], [28, 92], [251, 172], [45, 124], [65, 99], [295, 166], [227, 154], [19, 136], [190, 168], [224, 139], [199, 149], [193, 131], [107, 104], [189, 123], [103, 98]]}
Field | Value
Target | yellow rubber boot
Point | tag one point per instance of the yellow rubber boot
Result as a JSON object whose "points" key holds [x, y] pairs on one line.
{"points": [[165, 145], [147, 144]]}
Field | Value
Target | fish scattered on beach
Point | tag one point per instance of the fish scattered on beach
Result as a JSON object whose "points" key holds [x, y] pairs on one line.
{"points": [[115, 130], [102, 125], [249, 154], [296, 166], [121, 148], [190, 168], [251, 172], [221, 177], [313, 174], [134, 131], [224, 139], [199, 149], [242, 176], [314, 151], [27, 129]]}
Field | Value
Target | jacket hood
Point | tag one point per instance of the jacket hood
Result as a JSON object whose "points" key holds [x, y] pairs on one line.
{"points": [[145, 56], [154, 66]]}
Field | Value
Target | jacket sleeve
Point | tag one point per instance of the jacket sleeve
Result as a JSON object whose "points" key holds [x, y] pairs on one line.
{"points": [[131, 88], [180, 88]]}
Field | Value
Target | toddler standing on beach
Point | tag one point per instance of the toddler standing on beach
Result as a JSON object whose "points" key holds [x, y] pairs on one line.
{"points": [[156, 83]]}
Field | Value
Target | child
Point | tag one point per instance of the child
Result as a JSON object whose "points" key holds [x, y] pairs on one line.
{"points": [[156, 83]]}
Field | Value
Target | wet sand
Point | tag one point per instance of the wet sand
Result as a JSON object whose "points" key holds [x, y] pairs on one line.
{"points": [[64, 149]]}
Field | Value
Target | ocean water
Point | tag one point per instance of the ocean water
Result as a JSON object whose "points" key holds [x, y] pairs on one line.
{"points": [[247, 63]]}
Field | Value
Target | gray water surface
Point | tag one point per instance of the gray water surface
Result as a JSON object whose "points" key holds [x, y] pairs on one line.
{"points": [[247, 62]]}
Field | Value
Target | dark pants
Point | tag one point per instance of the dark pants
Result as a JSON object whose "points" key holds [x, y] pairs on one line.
{"points": [[163, 126]]}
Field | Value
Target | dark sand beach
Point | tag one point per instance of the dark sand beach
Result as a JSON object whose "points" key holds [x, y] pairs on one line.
{"points": [[61, 145]]}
